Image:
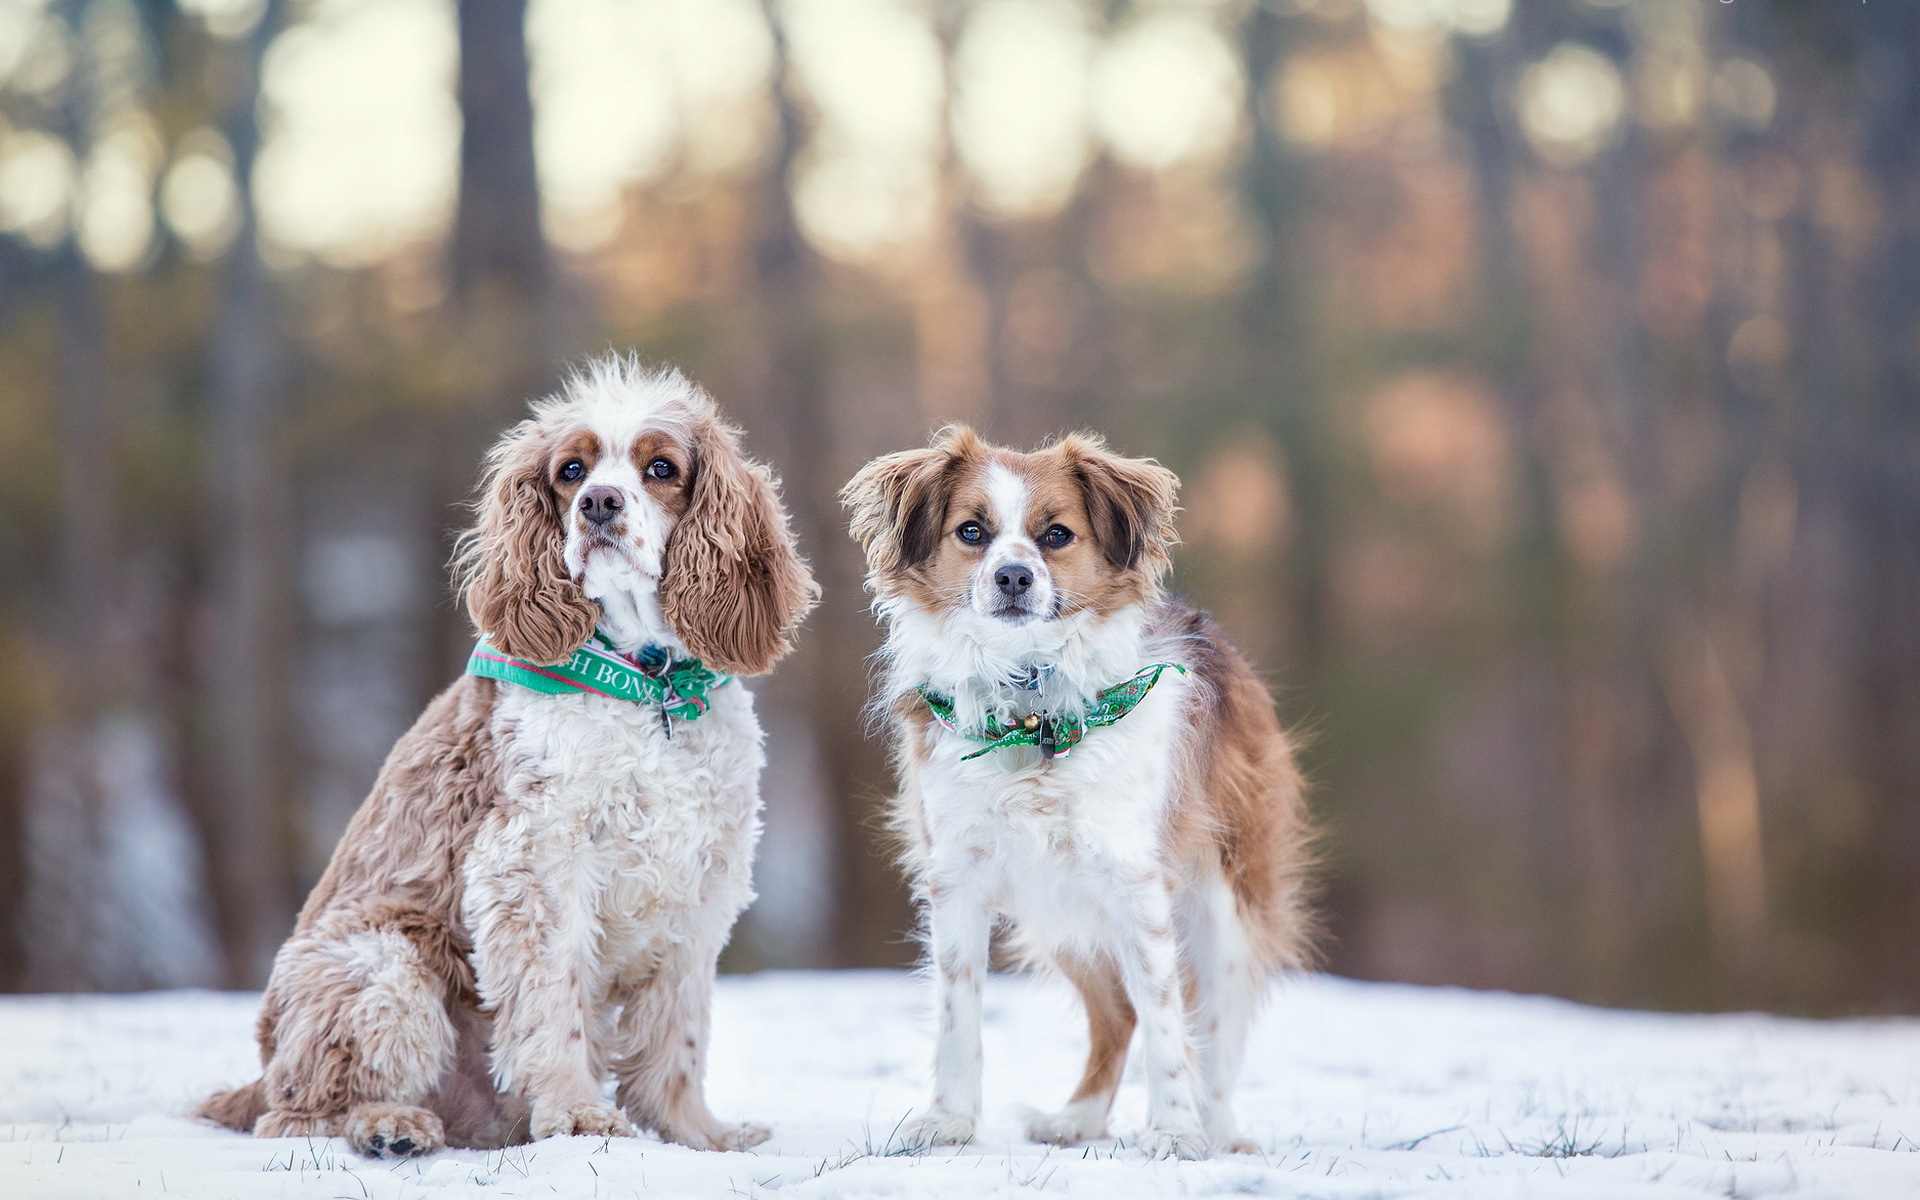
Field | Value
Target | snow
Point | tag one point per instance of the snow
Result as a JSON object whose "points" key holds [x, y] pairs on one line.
{"points": [[1352, 1090]]}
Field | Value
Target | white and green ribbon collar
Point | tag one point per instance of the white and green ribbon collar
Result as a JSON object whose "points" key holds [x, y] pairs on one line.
{"points": [[1054, 734], [651, 675]]}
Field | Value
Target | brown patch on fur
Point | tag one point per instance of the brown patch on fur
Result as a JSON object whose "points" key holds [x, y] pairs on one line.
{"points": [[564, 447], [733, 586], [900, 501], [511, 564], [901, 824], [1110, 1023], [398, 864], [671, 493], [1244, 811], [1130, 502]]}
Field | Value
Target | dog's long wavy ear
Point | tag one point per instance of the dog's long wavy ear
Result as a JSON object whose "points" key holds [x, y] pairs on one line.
{"points": [[1130, 502], [899, 501], [510, 564], [732, 584]]}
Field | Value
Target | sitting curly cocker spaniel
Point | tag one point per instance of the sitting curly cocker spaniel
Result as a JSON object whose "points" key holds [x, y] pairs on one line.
{"points": [[534, 896]]}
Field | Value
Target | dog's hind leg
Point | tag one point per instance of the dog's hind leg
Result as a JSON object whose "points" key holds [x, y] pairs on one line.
{"points": [[1149, 961], [360, 1041], [1110, 1022], [1225, 985], [478, 1115]]}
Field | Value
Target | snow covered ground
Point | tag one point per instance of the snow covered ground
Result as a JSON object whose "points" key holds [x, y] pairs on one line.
{"points": [[1353, 1090]]}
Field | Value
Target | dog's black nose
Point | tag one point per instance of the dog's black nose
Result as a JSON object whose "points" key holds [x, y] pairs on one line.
{"points": [[601, 503], [1014, 580], [401, 1145]]}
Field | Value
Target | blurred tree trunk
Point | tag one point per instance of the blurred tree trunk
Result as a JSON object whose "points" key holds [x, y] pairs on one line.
{"points": [[789, 413], [66, 884], [1874, 465], [955, 319], [501, 274], [987, 251], [13, 851], [1577, 799], [112, 897], [113, 890], [1275, 188], [497, 243], [251, 829], [1088, 380], [1644, 610], [64, 804]]}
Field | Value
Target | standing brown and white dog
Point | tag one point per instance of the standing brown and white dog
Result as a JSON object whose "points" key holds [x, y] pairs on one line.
{"points": [[534, 896], [1087, 760]]}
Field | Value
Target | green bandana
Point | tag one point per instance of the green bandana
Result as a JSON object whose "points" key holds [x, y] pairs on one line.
{"points": [[1054, 735], [652, 676]]}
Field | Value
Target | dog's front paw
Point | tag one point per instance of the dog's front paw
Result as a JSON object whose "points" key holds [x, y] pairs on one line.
{"points": [[589, 1118], [381, 1130], [1174, 1143], [935, 1129]]}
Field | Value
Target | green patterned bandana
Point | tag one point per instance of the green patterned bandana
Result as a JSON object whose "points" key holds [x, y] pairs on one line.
{"points": [[1054, 735], [652, 676]]}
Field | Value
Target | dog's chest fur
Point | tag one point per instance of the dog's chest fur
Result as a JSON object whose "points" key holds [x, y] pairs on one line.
{"points": [[638, 841], [1044, 841]]}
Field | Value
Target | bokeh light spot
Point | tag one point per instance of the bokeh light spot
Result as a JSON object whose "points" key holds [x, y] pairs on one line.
{"points": [[1167, 89], [1570, 103]]}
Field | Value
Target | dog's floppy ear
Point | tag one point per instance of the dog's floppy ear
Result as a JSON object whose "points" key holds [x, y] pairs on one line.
{"points": [[511, 564], [900, 500], [1130, 502], [732, 584]]}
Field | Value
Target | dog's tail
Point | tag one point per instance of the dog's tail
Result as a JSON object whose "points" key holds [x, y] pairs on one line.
{"points": [[237, 1109]]}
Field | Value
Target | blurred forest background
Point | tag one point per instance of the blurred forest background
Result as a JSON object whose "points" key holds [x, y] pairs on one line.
{"points": [[1545, 378]]}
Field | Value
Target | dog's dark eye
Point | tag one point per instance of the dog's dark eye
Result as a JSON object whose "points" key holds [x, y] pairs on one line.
{"points": [[1056, 536], [660, 468], [970, 533], [572, 469]]}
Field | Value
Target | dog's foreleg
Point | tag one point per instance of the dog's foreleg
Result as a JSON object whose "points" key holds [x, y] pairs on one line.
{"points": [[960, 928], [532, 954], [662, 1043]]}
